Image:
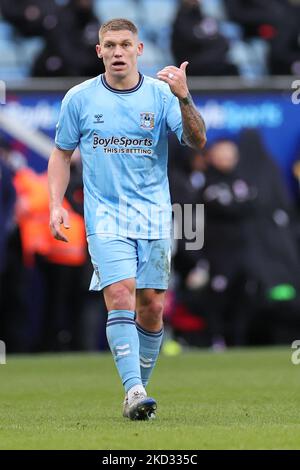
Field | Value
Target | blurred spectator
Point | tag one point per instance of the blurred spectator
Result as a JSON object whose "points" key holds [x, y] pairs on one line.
{"points": [[32, 213], [70, 31], [186, 178], [197, 38], [257, 17], [285, 47], [56, 267], [70, 43], [229, 203], [273, 248], [12, 320], [7, 202], [28, 16], [185, 314], [276, 21], [250, 245], [272, 245]]}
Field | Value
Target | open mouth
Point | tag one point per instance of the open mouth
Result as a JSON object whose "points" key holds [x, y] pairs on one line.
{"points": [[118, 63]]}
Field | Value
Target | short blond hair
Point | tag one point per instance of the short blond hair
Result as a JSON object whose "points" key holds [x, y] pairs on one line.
{"points": [[117, 24]]}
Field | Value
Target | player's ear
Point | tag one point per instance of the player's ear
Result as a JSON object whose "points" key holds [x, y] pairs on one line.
{"points": [[140, 48], [98, 51]]}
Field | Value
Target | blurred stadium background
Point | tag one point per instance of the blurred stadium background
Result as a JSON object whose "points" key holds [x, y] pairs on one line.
{"points": [[243, 287]]}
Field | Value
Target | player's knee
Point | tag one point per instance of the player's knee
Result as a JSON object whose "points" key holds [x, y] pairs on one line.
{"points": [[120, 297], [121, 301], [156, 309], [152, 312]]}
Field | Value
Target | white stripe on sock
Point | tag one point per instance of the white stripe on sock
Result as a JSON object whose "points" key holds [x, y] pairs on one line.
{"points": [[145, 359], [125, 353], [145, 366]]}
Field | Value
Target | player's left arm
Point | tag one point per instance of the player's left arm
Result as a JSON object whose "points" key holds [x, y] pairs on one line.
{"points": [[194, 131]]}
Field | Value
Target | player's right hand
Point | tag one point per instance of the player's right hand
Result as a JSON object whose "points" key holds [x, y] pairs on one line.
{"points": [[59, 216]]}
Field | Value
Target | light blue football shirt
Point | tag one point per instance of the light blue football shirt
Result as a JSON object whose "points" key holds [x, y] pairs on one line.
{"points": [[122, 138]]}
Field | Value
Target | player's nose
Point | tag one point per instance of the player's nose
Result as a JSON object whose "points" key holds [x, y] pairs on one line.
{"points": [[118, 51]]}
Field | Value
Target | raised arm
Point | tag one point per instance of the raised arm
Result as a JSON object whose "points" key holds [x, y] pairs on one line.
{"points": [[194, 131], [58, 180]]}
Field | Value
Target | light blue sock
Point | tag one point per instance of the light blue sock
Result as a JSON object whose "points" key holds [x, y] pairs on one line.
{"points": [[123, 341], [149, 350]]}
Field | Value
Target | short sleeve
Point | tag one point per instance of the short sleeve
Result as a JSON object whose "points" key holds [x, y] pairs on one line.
{"points": [[67, 129], [174, 119]]}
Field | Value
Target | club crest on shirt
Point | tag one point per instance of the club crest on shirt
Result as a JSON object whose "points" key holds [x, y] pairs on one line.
{"points": [[147, 120]]}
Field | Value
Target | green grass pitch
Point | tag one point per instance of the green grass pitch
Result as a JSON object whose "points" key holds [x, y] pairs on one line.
{"points": [[242, 399]]}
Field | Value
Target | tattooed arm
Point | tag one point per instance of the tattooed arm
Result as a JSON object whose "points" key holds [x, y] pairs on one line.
{"points": [[194, 132]]}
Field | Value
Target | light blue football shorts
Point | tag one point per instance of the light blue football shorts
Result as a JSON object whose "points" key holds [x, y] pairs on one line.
{"points": [[117, 258]]}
